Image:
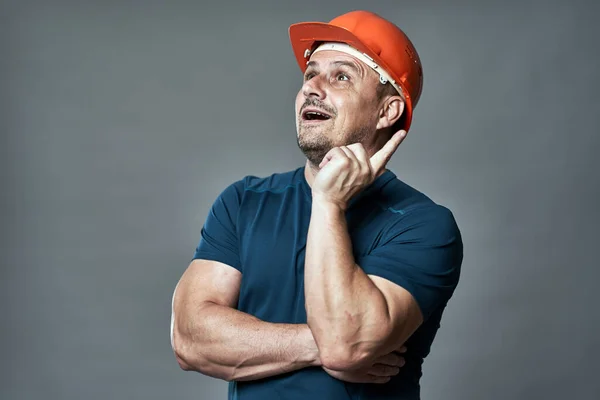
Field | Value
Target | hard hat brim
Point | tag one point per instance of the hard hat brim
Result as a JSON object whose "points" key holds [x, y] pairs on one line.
{"points": [[304, 36]]}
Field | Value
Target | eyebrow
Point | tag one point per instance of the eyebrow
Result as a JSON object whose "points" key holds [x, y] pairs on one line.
{"points": [[313, 64]]}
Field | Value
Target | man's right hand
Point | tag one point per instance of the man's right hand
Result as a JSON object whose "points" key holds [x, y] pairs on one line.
{"points": [[381, 371]]}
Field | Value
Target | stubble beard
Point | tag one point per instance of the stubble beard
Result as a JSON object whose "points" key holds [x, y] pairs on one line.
{"points": [[316, 145]]}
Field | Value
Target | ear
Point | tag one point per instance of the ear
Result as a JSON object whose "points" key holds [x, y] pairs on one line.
{"points": [[391, 110]]}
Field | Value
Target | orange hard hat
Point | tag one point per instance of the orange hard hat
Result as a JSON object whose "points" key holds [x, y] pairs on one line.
{"points": [[383, 43]]}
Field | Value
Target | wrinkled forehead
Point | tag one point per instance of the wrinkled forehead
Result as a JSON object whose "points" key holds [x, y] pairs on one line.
{"points": [[332, 58], [334, 53]]}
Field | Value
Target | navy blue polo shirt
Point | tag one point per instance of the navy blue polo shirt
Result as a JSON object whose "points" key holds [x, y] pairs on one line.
{"points": [[259, 227]]}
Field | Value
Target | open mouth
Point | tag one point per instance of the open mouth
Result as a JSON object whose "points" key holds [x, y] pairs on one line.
{"points": [[315, 115]]}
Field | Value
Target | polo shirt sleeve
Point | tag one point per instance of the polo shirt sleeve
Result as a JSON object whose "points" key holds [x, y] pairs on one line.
{"points": [[422, 252], [218, 237]]}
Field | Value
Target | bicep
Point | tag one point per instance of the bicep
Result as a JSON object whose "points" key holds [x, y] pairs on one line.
{"points": [[417, 269], [204, 281], [404, 313], [207, 281], [422, 256]]}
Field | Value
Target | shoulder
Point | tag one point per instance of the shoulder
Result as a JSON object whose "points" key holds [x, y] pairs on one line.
{"points": [[274, 183], [411, 212]]}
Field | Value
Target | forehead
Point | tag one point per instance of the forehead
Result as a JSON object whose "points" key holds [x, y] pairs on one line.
{"points": [[332, 59], [330, 56]]}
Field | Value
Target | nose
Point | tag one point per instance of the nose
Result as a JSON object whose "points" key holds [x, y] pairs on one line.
{"points": [[314, 87]]}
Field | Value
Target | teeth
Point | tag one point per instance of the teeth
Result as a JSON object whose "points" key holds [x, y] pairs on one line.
{"points": [[315, 113]]}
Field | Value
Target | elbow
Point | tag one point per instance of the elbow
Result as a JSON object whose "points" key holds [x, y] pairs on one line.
{"points": [[343, 358], [182, 353], [335, 361], [183, 364], [341, 352], [190, 359], [189, 362]]}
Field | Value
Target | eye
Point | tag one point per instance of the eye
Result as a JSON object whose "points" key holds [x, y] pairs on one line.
{"points": [[309, 75], [342, 77]]}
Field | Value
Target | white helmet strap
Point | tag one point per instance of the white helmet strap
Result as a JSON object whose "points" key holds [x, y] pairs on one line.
{"points": [[384, 77]]}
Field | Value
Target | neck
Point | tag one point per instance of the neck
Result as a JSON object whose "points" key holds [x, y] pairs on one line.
{"points": [[311, 171]]}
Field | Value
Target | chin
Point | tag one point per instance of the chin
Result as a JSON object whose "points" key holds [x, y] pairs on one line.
{"points": [[314, 148]]}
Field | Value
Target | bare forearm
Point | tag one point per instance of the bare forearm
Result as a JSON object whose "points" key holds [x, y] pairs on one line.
{"points": [[344, 307], [228, 344]]}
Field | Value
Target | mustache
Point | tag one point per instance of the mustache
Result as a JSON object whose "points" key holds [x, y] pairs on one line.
{"points": [[312, 102]]}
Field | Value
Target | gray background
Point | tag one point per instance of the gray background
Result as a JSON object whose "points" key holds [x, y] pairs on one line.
{"points": [[121, 122]]}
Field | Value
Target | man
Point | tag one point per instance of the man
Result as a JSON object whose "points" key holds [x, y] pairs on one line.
{"points": [[327, 282]]}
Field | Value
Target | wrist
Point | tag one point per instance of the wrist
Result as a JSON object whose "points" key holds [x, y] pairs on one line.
{"points": [[328, 206], [310, 350]]}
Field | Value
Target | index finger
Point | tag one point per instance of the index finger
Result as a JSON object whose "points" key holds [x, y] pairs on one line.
{"points": [[381, 158]]}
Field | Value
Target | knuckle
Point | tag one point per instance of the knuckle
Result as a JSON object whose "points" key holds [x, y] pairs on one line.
{"points": [[386, 360], [345, 161], [380, 379]]}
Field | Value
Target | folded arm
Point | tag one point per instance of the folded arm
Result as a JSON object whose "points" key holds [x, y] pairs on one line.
{"points": [[210, 336], [354, 317]]}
